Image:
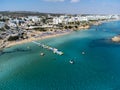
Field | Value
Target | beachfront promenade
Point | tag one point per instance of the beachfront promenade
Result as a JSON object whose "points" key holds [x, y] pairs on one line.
{"points": [[54, 50]]}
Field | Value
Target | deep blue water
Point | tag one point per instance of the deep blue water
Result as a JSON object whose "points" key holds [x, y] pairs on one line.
{"points": [[98, 69]]}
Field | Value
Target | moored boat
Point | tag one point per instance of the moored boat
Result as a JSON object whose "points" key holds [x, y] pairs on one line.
{"points": [[71, 62], [42, 54]]}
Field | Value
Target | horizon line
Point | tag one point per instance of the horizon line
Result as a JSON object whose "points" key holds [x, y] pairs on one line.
{"points": [[56, 12]]}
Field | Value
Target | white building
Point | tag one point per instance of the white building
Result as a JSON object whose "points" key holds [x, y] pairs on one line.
{"points": [[2, 24], [115, 17], [81, 18], [11, 24], [57, 20], [34, 18]]}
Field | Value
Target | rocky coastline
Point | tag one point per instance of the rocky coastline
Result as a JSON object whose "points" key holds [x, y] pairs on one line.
{"points": [[116, 38]]}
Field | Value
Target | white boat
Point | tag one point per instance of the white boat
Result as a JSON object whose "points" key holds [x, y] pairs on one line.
{"points": [[83, 52], [71, 62], [42, 54]]}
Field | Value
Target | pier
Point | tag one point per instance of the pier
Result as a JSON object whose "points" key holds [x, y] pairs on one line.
{"points": [[54, 50]]}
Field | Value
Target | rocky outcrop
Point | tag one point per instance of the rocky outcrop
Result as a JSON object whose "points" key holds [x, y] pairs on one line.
{"points": [[84, 27], [116, 39]]}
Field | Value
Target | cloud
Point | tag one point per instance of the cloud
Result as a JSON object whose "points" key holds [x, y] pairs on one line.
{"points": [[74, 1], [55, 0]]}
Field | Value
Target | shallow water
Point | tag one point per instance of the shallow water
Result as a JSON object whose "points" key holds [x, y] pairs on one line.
{"points": [[23, 68]]}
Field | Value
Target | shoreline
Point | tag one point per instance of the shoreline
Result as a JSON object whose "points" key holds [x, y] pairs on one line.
{"points": [[53, 34], [13, 43]]}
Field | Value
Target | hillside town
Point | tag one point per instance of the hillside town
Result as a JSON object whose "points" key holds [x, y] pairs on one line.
{"points": [[19, 28]]}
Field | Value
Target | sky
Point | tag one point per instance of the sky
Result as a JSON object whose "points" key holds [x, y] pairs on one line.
{"points": [[63, 6]]}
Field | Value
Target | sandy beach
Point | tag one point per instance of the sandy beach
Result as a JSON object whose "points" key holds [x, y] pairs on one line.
{"points": [[45, 35], [12, 43], [53, 34]]}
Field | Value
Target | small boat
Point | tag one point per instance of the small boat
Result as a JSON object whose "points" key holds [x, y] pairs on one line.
{"points": [[42, 54], [83, 52], [71, 62]]}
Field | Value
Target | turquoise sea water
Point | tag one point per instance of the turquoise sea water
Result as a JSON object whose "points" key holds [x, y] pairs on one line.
{"points": [[23, 68]]}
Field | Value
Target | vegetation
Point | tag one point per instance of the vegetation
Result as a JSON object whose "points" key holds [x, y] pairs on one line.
{"points": [[26, 13], [40, 29], [12, 38]]}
